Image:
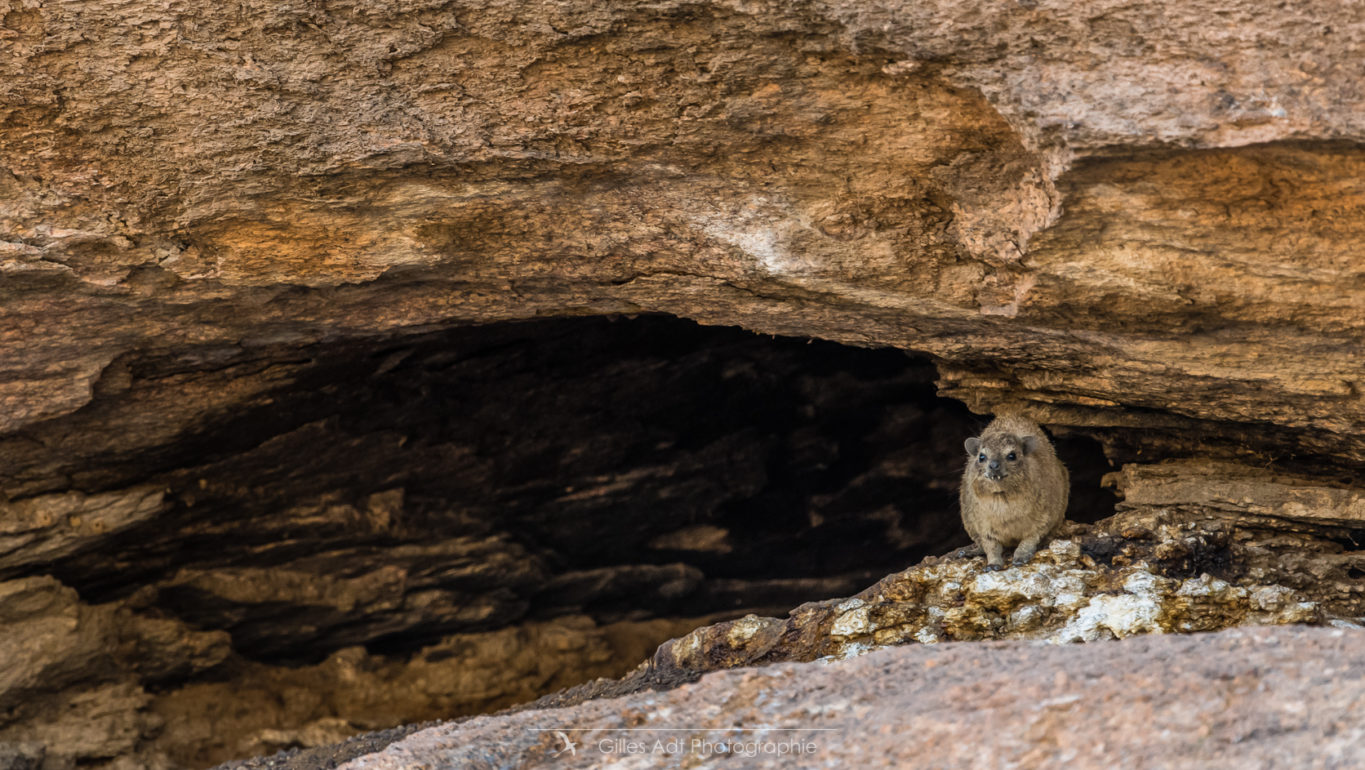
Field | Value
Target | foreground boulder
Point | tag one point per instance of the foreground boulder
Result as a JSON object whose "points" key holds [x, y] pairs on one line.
{"points": [[1268, 697]]}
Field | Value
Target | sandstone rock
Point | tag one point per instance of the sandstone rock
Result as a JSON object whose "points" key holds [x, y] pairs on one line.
{"points": [[242, 250], [72, 675], [1065, 594], [1269, 540], [1153, 229], [461, 487], [261, 709], [1239, 492], [50, 527], [1226, 700], [22, 756]]}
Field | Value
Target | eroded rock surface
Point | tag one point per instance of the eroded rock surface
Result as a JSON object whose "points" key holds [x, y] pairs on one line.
{"points": [[121, 685], [466, 521], [241, 247], [254, 708], [1114, 580], [74, 678], [1196, 546], [1271, 697], [1125, 216], [1184, 555]]}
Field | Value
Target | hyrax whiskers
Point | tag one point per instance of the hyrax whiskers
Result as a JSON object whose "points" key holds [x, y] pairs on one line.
{"points": [[1014, 489]]}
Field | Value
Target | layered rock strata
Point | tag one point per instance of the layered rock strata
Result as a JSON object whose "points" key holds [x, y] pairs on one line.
{"points": [[240, 247], [1197, 547], [1142, 571], [444, 525], [1125, 216]]}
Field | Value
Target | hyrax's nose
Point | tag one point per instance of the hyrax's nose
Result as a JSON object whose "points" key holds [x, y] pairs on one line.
{"points": [[995, 465]]}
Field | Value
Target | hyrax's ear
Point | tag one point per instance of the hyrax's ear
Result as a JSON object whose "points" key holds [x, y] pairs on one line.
{"points": [[1029, 443], [972, 445]]}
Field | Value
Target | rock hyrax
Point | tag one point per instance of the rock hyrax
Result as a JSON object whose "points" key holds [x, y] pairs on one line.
{"points": [[1014, 489]]}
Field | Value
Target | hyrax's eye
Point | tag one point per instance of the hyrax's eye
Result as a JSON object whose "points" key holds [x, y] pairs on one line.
{"points": [[981, 458], [1011, 457]]}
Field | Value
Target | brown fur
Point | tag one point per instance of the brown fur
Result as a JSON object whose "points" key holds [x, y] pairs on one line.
{"points": [[1028, 500]]}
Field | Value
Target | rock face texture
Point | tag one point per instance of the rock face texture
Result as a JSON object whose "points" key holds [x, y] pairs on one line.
{"points": [[1147, 570], [1156, 568], [1266, 698], [460, 523], [1089, 208], [264, 417], [1062, 596]]}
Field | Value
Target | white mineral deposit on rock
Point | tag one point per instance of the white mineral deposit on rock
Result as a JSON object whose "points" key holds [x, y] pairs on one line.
{"points": [[1121, 616], [853, 620], [1059, 598]]}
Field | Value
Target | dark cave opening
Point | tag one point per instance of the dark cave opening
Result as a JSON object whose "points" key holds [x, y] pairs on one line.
{"points": [[363, 533], [388, 493]]}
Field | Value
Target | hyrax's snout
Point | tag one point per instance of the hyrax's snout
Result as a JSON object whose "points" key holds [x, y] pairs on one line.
{"points": [[993, 470]]}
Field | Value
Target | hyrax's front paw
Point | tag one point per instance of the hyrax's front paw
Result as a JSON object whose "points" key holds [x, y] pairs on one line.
{"points": [[993, 568], [966, 552], [1024, 553]]}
